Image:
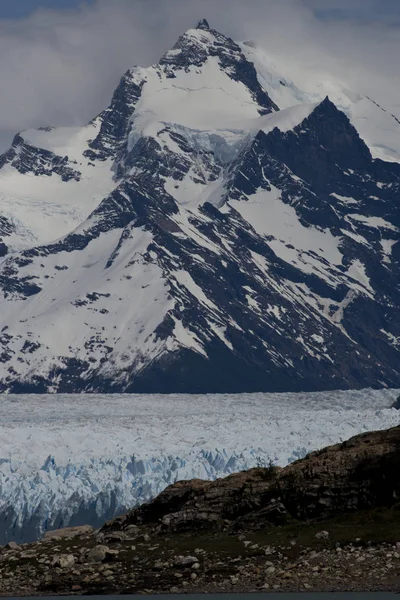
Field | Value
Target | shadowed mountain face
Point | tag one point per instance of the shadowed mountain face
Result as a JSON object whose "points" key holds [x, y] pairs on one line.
{"points": [[195, 238]]}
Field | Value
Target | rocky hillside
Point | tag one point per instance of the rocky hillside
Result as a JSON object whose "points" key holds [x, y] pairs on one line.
{"points": [[197, 236], [358, 474], [327, 522]]}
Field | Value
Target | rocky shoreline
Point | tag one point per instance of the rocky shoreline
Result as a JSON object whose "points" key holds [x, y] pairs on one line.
{"points": [[329, 522]]}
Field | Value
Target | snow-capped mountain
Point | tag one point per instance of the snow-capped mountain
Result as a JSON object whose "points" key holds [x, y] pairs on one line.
{"points": [[216, 229]]}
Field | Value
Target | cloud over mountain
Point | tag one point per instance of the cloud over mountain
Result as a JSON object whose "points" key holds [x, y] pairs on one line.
{"points": [[60, 67]]}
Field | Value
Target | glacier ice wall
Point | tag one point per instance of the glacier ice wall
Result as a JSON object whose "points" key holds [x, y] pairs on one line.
{"points": [[70, 460]]}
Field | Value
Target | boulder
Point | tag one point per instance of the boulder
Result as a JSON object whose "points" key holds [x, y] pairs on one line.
{"points": [[100, 553], [185, 561], [322, 535], [64, 561], [12, 546]]}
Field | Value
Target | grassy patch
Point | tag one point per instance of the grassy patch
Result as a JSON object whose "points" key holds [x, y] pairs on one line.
{"points": [[375, 525]]}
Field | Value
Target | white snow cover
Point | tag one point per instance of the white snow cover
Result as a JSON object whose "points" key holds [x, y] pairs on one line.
{"points": [[311, 249], [62, 317], [45, 208], [69, 459], [270, 216], [202, 98], [285, 119], [54, 317], [214, 112]]}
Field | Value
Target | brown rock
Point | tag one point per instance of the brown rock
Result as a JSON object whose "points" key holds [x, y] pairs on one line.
{"points": [[270, 570], [114, 537], [108, 573], [185, 561], [68, 532], [98, 554], [357, 474], [12, 546], [64, 561]]}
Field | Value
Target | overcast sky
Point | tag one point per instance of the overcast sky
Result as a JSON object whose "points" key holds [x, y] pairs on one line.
{"points": [[61, 59]]}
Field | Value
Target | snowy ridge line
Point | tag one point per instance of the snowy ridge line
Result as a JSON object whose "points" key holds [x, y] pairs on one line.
{"points": [[62, 463], [290, 85]]}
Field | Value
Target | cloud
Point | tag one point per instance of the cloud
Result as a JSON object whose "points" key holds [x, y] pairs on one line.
{"points": [[60, 67]]}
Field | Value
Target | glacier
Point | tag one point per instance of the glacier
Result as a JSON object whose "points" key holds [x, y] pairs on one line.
{"points": [[76, 459]]}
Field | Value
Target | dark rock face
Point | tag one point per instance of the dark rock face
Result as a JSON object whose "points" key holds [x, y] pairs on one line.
{"points": [[203, 24], [396, 403], [6, 229], [115, 119], [29, 159], [321, 148], [355, 475]]}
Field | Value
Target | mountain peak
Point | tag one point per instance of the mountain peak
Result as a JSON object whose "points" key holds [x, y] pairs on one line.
{"points": [[196, 47], [203, 24], [327, 103]]}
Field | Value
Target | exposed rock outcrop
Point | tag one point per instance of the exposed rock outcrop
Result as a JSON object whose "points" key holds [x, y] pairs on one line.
{"points": [[396, 403], [357, 474]]}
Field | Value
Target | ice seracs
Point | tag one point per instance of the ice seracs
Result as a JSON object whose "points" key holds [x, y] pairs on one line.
{"points": [[72, 460]]}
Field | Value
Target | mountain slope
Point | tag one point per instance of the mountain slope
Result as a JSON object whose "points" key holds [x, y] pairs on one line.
{"points": [[237, 247]]}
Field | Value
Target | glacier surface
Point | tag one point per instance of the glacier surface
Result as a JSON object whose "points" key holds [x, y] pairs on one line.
{"points": [[74, 459]]}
